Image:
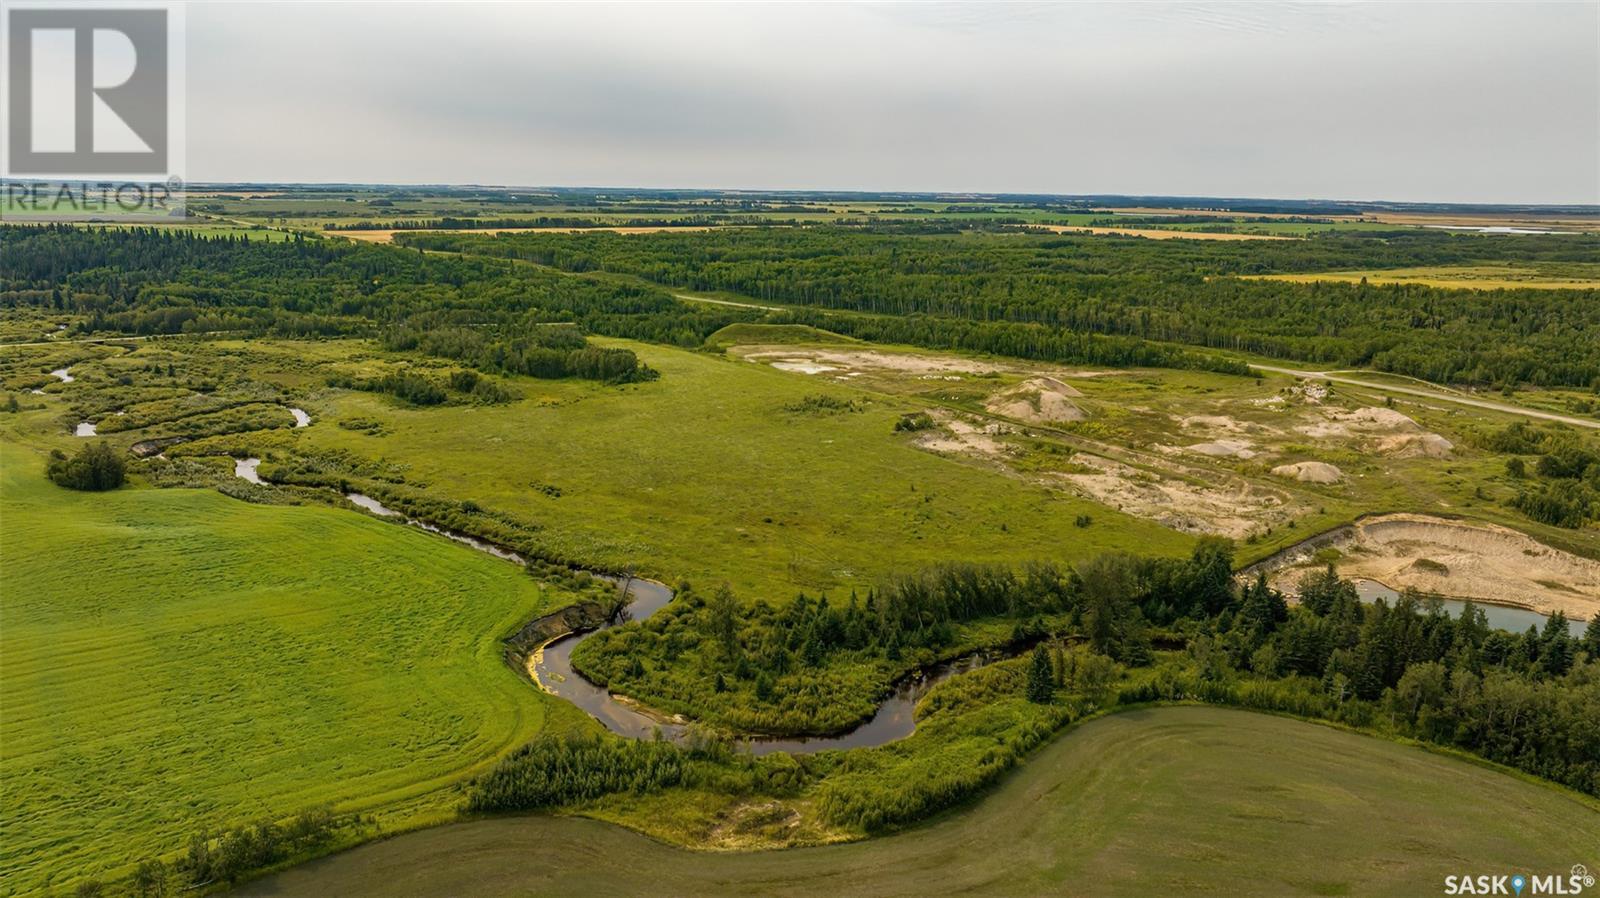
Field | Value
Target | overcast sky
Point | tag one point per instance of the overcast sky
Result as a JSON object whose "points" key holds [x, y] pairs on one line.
{"points": [[1465, 102]]}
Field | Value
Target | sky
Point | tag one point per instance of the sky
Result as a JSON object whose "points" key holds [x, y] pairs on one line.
{"points": [[1429, 102]]}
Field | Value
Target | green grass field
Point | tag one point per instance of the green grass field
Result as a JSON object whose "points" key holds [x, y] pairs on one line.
{"points": [[176, 659], [1169, 801], [707, 474]]}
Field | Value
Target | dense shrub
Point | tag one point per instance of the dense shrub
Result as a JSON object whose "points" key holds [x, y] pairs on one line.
{"points": [[95, 467], [555, 771]]}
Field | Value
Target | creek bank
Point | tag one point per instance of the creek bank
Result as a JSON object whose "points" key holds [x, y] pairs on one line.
{"points": [[1458, 559]]}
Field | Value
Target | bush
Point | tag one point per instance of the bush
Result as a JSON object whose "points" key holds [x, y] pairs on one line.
{"points": [[96, 467], [913, 422]]}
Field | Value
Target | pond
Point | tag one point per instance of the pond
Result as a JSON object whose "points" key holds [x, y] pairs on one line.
{"points": [[1501, 617], [245, 468]]}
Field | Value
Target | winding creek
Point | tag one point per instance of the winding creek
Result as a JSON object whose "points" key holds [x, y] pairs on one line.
{"points": [[550, 664]]}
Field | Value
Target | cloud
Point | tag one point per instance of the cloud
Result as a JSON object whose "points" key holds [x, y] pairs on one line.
{"points": [[1469, 102]]}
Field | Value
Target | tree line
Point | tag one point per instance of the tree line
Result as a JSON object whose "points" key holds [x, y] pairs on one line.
{"points": [[1175, 291]]}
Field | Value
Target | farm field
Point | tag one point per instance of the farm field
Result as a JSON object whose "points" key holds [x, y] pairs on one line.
{"points": [[1575, 276], [313, 211], [1138, 803], [177, 661]]}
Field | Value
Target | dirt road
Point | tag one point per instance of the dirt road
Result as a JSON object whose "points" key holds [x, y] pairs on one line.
{"points": [[1437, 396]]}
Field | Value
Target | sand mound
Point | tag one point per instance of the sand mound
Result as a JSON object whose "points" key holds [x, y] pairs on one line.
{"points": [[1380, 430], [1415, 445], [1041, 400], [1386, 419], [1310, 472], [1224, 449]]}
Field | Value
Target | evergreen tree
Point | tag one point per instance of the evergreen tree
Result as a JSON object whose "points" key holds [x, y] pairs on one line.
{"points": [[1591, 637], [1041, 679]]}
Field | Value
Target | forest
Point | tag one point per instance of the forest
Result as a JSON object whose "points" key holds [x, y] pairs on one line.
{"points": [[1562, 485], [144, 281], [1175, 291]]}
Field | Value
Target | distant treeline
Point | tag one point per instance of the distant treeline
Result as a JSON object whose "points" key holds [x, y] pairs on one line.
{"points": [[544, 221], [158, 281], [1174, 291]]}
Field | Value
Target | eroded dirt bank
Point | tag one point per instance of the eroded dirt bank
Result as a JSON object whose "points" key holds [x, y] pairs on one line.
{"points": [[1468, 560]]}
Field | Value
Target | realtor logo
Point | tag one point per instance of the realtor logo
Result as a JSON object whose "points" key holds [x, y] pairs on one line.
{"points": [[90, 92]]}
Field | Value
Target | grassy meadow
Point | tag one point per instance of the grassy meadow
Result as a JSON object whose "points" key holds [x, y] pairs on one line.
{"points": [[177, 660], [1168, 801], [711, 474]]}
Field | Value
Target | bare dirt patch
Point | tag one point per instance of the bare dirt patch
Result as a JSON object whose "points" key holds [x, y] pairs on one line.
{"points": [[1230, 508], [871, 359], [1479, 561], [958, 436]]}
